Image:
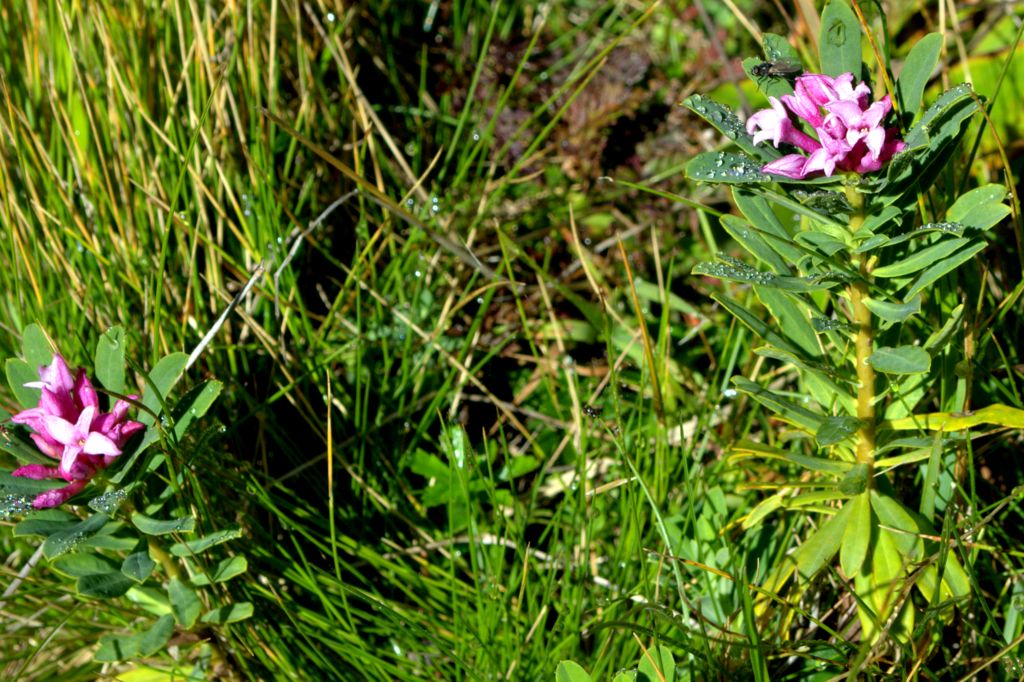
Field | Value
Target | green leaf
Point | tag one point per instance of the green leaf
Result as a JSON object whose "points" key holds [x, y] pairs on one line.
{"points": [[726, 122], [791, 319], [839, 42], [65, 540], [943, 267], [35, 347], [760, 215], [184, 603], [756, 325], [657, 664], [836, 429], [754, 243], [104, 585], [20, 373], [150, 526], [857, 536], [823, 544], [917, 69], [921, 258], [229, 614], [80, 564], [138, 566], [980, 208], [893, 312], [733, 169], [194, 405], [1000, 415], [160, 381], [570, 671], [224, 571], [929, 489], [901, 360], [45, 522], [856, 480], [892, 514], [110, 360], [788, 411], [126, 647], [204, 543]]}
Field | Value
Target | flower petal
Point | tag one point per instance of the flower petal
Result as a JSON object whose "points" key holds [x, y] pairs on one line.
{"points": [[36, 472], [53, 498], [60, 430], [99, 444]]}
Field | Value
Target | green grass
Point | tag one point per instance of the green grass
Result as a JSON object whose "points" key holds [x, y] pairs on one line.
{"points": [[467, 436]]}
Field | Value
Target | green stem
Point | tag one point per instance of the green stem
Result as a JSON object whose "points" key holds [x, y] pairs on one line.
{"points": [[865, 341]]}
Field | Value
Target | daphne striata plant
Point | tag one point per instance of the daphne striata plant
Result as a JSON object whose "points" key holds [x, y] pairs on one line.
{"points": [[854, 270], [85, 483]]}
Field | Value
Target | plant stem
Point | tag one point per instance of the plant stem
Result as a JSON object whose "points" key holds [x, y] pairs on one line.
{"points": [[864, 343]]}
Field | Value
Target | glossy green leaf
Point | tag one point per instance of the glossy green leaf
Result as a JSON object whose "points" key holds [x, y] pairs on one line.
{"points": [[138, 566], [980, 208], [836, 429], [200, 545], [45, 522], [900, 360], [724, 167], [893, 312], [20, 373], [35, 347], [224, 570], [857, 536], [821, 547], [656, 665], [229, 614], [571, 671], [755, 324], [65, 540], [763, 509], [762, 218], [160, 381], [21, 486], [726, 122], [789, 411], [894, 515], [944, 267], [79, 564], [1000, 415], [104, 585], [916, 71], [749, 238], [791, 319], [150, 526], [184, 603], [839, 40], [921, 258], [110, 360], [194, 405]]}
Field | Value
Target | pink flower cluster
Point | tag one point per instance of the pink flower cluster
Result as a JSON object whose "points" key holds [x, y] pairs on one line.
{"points": [[848, 126], [68, 426]]}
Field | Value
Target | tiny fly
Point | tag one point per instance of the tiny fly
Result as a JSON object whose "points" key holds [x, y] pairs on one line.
{"points": [[783, 70]]}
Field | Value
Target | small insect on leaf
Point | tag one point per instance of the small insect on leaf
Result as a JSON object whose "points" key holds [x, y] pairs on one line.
{"points": [[591, 411], [776, 69]]}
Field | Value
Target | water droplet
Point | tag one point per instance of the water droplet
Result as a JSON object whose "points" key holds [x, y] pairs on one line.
{"points": [[108, 502], [409, 202], [12, 505], [476, 136], [330, 17], [435, 208], [417, 273], [729, 393]]}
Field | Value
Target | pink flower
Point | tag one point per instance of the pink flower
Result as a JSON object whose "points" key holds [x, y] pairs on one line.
{"points": [[67, 426], [848, 127]]}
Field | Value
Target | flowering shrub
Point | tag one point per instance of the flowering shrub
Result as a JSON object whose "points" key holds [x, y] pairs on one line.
{"points": [[68, 426], [844, 294], [849, 130]]}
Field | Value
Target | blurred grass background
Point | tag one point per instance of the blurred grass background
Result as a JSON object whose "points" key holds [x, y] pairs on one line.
{"points": [[475, 409]]}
